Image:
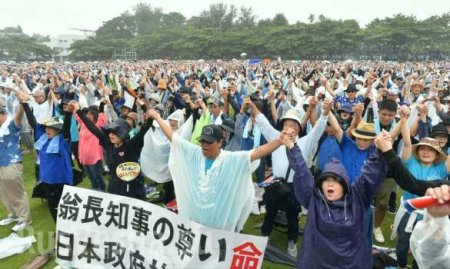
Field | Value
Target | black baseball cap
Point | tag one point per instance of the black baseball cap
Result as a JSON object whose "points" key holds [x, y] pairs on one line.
{"points": [[211, 133], [228, 124]]}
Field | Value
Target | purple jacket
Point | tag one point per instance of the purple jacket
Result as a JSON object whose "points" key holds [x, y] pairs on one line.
{"points": [[335, 236]]}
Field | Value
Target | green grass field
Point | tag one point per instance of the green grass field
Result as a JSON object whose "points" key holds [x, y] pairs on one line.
{"points": [[43, 227]]}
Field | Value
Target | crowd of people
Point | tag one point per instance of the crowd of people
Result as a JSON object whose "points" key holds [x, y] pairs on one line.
{"points": [[331, 140]]}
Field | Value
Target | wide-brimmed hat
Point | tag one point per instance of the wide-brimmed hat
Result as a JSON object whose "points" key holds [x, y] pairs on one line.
{"points": [[364, 131], [55, 123], [418, 84], [291, 114], [432, 143], [351, 88]]}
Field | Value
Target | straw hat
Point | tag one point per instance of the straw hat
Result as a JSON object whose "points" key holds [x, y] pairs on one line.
{"points": [[364, 131], [418, 84], [432, 143]]}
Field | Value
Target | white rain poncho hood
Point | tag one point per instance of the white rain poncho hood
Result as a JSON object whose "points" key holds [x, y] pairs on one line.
{"points": [[220, 198], [177, 115], [155, 153]]}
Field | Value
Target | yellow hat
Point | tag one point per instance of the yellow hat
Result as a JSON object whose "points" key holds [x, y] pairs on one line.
{"points": [[162, 84]]}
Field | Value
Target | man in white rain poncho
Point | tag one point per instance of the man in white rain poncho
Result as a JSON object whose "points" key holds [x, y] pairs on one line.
{"points": [[213, 186], [155, 153]]}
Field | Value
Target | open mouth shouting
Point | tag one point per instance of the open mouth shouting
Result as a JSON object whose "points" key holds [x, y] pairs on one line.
{"points": [[332, 189], [330, 193]]}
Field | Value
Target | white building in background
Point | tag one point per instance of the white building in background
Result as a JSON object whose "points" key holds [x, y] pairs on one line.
{"points": [[61, 43]]}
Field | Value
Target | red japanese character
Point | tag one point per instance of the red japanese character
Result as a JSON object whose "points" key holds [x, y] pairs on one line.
{"points": [[246, 256]]}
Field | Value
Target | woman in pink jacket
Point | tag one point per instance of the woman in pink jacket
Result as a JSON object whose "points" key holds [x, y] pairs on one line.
{"points": [[89, 150]]}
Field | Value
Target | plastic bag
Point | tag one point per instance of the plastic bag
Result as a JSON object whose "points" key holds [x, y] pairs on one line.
{"points": [[13, 244], [430, 243]]}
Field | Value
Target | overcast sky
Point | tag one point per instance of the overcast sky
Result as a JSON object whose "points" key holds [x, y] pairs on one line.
{"points": [[53, 17]]}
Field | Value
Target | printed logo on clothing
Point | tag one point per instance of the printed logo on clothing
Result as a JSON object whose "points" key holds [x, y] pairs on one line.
{"points": [[121, 153], [128, 171], [208, 131]]}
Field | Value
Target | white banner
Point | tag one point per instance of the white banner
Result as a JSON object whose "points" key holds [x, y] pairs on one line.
{"points": [[101, 230]]}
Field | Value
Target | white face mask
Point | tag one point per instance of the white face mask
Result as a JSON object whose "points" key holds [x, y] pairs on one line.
{"points": [[359, 87]]}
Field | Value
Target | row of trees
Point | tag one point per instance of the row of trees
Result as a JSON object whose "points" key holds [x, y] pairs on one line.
{"points": [[224, 32], [15, 45]]}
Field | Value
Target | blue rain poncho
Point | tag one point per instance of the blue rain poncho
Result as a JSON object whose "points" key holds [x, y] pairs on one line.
{"points": [[220, 198]]}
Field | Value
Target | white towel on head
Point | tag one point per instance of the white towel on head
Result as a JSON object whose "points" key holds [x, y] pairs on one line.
{"points": [[42, 111]]}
